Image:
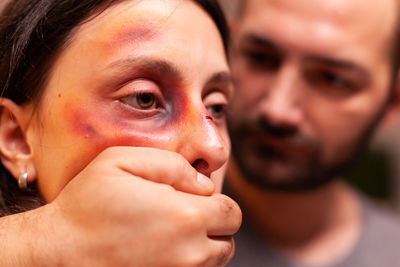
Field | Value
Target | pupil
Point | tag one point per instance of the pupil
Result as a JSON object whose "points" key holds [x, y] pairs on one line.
{"points": [[146, 100], [218, 109]]}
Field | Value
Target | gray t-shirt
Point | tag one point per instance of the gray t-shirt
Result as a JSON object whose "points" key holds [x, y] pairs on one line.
{"points": [[378, 246]]}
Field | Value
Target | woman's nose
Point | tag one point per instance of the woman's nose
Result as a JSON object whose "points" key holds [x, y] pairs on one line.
{"points": [[205, 146]]}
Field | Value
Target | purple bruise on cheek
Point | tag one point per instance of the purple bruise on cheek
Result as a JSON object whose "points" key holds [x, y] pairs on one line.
{"points": [[102, 130], [115, 127], [80, 126], [89, 130]]}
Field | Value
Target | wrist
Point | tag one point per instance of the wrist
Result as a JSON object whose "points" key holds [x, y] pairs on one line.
{"points": [[27, 239]]}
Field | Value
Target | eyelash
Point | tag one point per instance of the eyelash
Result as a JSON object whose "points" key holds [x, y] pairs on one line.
{"points": [[333, 84], [262, 59], [143, 97], [221, 108], [216, 104]]}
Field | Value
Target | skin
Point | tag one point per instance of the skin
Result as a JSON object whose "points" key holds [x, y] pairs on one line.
{"points": [[309, 83], [115, 167], [318, 75], [96, 104]]}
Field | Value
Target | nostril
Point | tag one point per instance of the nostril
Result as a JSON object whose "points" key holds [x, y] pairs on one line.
{"points": [[200, 165]]}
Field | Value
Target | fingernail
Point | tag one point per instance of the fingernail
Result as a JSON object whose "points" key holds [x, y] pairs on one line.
{"points": [[205, 181]]}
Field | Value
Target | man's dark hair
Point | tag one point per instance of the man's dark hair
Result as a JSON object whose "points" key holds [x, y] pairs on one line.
{"points": [[32, 33]]}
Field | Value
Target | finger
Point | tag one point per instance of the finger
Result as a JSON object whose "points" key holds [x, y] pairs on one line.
{"points": [[160, 166], [223, 216], [222, 250]]}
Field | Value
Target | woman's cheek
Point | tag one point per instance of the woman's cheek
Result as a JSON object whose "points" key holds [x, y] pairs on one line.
{"points": [[99, 131]]}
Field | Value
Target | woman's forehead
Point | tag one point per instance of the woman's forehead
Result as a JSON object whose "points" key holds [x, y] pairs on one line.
{"points": [[170, 29], [139, 22]]}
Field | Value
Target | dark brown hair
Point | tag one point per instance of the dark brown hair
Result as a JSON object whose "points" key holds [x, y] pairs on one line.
{"points": [[32, 33]]}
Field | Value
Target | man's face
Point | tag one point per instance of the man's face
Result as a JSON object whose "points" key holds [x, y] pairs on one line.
{"points": [[313, 80]]}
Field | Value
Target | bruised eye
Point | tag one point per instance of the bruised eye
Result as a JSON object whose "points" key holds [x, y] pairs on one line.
{"points": [[144, 101]]}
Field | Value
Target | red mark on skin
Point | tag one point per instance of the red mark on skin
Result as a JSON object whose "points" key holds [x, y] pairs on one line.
{"points": [[213, 138], [99, 124], [187, 116], [108, 127], [133, 35], [79, 124]]}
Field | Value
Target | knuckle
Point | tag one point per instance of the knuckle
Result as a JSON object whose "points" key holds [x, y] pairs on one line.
{"points": [[231, 209], [229, 206], [226, 254], [212, 256], [191, 219]]}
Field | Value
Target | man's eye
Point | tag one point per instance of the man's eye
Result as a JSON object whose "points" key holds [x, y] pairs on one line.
{"points": [[144, 101], [263, 60], [334, 80], [217, 111], [332, 84]]}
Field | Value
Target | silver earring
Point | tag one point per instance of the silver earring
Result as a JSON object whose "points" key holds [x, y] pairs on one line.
{"points": [[23, 181]]}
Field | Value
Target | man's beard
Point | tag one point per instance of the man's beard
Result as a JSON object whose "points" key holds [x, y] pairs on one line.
{"points": [[272, 167]]}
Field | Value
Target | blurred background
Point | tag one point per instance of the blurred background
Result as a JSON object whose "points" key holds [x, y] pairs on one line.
{"points": [[377, 173]]}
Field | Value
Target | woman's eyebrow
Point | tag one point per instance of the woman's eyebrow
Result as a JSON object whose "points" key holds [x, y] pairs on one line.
{"points": [[154, 65]]}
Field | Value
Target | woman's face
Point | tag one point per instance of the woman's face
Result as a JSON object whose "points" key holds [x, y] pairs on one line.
{"points": [[149, 73]]}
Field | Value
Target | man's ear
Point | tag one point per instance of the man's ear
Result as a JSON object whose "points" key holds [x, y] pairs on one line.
{"points": [[15, 151], [392, 111]]}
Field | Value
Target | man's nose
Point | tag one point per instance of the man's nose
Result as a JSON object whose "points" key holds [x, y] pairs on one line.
{"points": [[281, 105], [205, 146]]}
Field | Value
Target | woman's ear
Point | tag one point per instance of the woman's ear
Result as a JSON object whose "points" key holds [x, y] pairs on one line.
{"points": [[15, 151]]}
